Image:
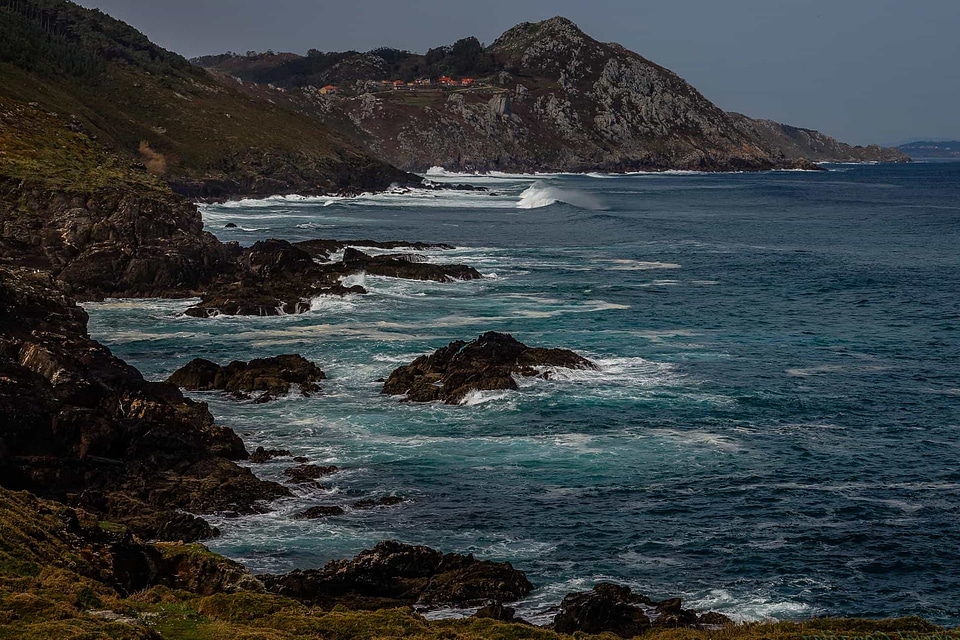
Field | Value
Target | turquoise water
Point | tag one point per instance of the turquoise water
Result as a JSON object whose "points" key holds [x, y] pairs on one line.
{"points": [[773, 432]]}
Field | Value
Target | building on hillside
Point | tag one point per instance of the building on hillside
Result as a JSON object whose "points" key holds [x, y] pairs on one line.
{"points": [[330, 88], [467, 82], [422, 82], [399, 84], [446, 81]]}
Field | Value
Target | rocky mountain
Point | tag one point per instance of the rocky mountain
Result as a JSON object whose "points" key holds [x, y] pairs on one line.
{"points": [[546, 97]]}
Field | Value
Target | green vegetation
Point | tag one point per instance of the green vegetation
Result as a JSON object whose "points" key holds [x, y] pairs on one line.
{"points": [[153, 108], [55, 582]]}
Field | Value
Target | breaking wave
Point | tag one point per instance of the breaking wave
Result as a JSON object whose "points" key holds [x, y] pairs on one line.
{"points": [[540, 194]]}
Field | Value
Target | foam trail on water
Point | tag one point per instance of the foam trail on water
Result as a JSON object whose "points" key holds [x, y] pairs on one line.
{"points": [[540, 194]]}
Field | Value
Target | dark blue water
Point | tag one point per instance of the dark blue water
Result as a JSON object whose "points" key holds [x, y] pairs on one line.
{"points": [[774, 432]]}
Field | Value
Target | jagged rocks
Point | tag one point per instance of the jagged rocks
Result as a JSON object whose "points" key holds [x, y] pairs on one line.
{"points": [[615, 609], [269, 376], [83, 427], [308, 473], [396, 574], [487, 363], [355, 260]]}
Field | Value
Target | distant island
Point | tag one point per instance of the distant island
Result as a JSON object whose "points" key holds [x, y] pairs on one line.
{"points": [[930, 150]]}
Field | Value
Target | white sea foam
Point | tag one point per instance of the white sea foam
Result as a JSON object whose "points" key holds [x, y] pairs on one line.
{"points": [[540, 194], [638, 265], [475, 398], [753, 609]]}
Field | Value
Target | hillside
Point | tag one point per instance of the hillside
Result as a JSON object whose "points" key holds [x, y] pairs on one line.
{"points": [[546, 97], [927, 149], [200, 135]]}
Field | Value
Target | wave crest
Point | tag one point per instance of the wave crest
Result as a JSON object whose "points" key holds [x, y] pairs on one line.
{"points": [[540, 194]]}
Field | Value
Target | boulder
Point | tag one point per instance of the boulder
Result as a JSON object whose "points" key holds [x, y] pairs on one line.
{"points": [[262, 455], [395, 574], [616, 609], [487, 363], [307, 472], [272, 376], [320, 511]]}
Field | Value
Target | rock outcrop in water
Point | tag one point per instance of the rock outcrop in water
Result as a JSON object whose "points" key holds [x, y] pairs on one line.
{"points": [[615, 609], [396, 574], [487, 363], [81, 426], [269, 377], [275, 277]]}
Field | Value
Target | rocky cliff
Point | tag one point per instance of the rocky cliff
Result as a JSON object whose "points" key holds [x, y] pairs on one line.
{"points": [[81, 426]]}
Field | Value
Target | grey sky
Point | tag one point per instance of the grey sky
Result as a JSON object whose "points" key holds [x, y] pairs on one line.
{"points": [[861, 70]]}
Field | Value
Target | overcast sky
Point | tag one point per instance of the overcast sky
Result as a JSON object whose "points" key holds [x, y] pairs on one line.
{"points": [[860, 70]]}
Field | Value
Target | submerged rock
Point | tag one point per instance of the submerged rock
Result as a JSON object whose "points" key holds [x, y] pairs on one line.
{"points": [[487, 363], [370, 503], [273, 376], [614, 608], [395, 574]]}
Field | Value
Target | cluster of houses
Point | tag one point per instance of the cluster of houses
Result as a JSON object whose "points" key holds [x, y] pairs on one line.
{"points": [[442, 82]]}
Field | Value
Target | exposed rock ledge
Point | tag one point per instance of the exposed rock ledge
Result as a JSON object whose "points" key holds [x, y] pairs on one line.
{"points": [[487, 363], [395, 574], [271, 377]]}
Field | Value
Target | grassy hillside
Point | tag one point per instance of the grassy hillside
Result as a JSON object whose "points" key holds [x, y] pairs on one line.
{"points": [[202, 135]]}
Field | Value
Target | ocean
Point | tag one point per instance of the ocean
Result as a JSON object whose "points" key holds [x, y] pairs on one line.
{"points": [[773, 432]]}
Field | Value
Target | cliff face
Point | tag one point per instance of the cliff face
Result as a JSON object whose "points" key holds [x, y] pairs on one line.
{"points": [[551, 99]]}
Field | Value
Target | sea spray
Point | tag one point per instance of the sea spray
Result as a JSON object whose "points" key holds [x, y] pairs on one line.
{"points": [[541, 194]]}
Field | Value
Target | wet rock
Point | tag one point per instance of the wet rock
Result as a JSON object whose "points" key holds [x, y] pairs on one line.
{"points": [[395, 574], [262, 455], [320, 511], [370, 503], [230, 225], [616, 609], [83, 427], [355, 260], [487, 363], [307, 472], [274, 376]]}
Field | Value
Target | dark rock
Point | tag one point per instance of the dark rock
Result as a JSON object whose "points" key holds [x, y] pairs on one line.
{"points": [[319, 512], [615, 609], [355, 261], [83, 427], [271, 375], [301, 459], [230, 225], [487, 363], [395, 574], [496, 611], [370, 503], [307, 472], [262, 455]]}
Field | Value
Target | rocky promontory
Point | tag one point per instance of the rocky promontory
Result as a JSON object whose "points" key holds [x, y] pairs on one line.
{"points": [[396, 574], [269, 377], [488, 363]]}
